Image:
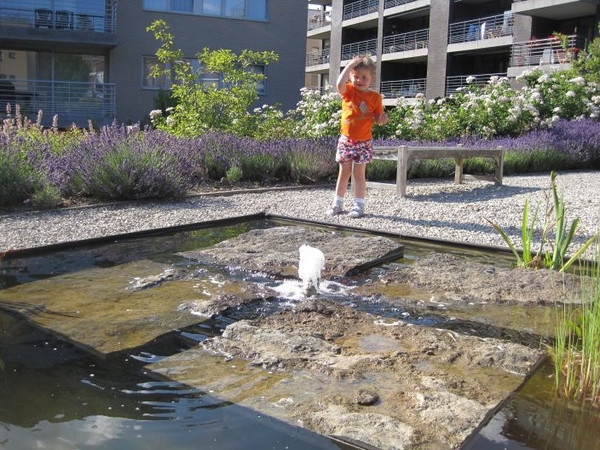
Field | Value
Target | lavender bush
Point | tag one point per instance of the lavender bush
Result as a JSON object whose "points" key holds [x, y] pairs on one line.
{"points": [[120, 163], [41, 166]]}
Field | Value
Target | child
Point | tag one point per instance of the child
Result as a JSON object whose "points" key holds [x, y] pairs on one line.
{"points": [[361, 107]]}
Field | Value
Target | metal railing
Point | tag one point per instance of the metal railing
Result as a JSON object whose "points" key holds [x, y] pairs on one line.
{"points": [[483, 28], [360, 8], [546, 51], [319, 20], [317, 58], [412, 40], [403, 88], [455, 82], [73, 102], [83, 15], [392, 3], [368, 47]]}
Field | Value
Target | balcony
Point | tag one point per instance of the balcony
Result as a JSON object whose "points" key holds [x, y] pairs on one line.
{"points": [[368, 47], [413, 40], [317, 58], [403, 88], [484, 28], [456, 82], [392, 3], [319, 20], [72, 22], [555, 9], [74, 103], [543, 52], [360, 8]]}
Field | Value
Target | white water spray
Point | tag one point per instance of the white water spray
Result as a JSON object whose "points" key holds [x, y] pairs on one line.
{"points": [[312, 262]]}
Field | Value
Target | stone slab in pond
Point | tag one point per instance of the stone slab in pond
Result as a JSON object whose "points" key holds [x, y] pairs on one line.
{"points": [[122, 307], [276, 251], [342, 372]]}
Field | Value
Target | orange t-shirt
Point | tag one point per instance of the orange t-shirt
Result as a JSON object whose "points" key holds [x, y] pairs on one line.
{"points": [[359, 109]]}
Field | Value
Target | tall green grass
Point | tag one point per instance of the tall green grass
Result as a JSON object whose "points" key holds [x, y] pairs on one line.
{"points": [[576, 350], [555, 237]]}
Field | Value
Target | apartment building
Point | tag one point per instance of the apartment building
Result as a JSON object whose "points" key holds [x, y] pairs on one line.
{"points": [[91, 59], [431, 47]]}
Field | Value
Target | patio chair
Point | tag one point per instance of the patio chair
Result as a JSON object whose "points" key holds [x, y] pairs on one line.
{"points": [[64, 20]]}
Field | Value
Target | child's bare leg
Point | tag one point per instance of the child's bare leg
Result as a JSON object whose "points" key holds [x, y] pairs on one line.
{"points": [[360, 190], [343, 178], [340, 188], [360, 180]]}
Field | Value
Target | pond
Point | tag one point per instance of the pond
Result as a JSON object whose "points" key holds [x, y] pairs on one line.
{"points": [[58, 393]]}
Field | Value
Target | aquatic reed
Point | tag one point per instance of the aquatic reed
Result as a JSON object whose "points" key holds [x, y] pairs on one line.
{"points": [[576, 349], [558, 240]]}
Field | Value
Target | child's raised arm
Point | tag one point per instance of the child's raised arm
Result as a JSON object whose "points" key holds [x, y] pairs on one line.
{"points": [[344, 75]]}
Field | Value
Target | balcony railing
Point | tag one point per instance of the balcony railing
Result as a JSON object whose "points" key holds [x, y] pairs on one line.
{"points": [[317, 58], [73, 102], [83, 15], [392, 3], [483, 28], [545, 51], [319, 20], [412, 40], [368, 47], [360, 8], [453, 83], [403, 88]]}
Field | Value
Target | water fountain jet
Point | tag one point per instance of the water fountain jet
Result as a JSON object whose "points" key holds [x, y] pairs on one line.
{"points": [[312, 262]]}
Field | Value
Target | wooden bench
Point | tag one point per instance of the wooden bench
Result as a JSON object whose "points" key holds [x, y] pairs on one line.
{"points": [[404, 154]]}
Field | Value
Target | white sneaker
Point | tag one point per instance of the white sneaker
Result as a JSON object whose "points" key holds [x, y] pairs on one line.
{"points": [[334, 209], [357, 210]]}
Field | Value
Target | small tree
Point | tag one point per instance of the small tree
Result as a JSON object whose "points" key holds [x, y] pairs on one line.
{"points": [[587, 63], [206, 106]]}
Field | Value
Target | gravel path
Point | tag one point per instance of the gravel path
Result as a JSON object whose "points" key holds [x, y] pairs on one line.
{"points": [[435, 209]]}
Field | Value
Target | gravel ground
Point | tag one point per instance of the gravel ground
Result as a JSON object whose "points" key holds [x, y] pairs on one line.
{"points": [[434, 209]]}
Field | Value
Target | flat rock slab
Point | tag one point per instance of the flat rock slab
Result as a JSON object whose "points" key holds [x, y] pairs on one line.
{"points": [[276, 251], [112, 309], [452, 279], [342, 372]]}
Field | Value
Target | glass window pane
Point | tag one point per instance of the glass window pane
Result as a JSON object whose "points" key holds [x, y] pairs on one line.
{"points": [[157, 5], [235, 8], [182, 5], [257, 9], [261, 86], [211, 7], [148, 81]]}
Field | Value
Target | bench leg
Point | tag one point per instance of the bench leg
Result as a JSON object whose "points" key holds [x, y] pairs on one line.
{"points": [[402, 171], [499, 160], [458, 170]]}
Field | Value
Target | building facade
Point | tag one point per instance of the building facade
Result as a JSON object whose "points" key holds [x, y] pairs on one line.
{"points": [[431, 47], [90, 59]]}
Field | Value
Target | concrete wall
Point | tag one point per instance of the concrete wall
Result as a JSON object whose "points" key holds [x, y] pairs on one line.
{"points": [[438, 43], [284, 33]]}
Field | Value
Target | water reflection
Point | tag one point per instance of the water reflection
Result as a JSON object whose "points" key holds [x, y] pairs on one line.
{"points": [[54, 395], [535, 418]]}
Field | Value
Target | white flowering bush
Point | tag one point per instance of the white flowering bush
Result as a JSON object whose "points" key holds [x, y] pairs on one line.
{"points": [[317, 115], [560, 95], [497, 108]]}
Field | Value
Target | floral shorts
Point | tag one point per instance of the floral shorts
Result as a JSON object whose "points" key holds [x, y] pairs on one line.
{"points": [[360, 152]]}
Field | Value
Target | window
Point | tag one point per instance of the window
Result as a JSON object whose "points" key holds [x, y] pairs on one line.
{"points": [[211, 7], [244, 9], [261, 86], [256, 9], [208, 79], [182, 5], [148, 81], [235, 8]]}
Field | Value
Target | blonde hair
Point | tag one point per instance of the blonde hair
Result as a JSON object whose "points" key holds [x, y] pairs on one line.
{"points": [[365, 63]]}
